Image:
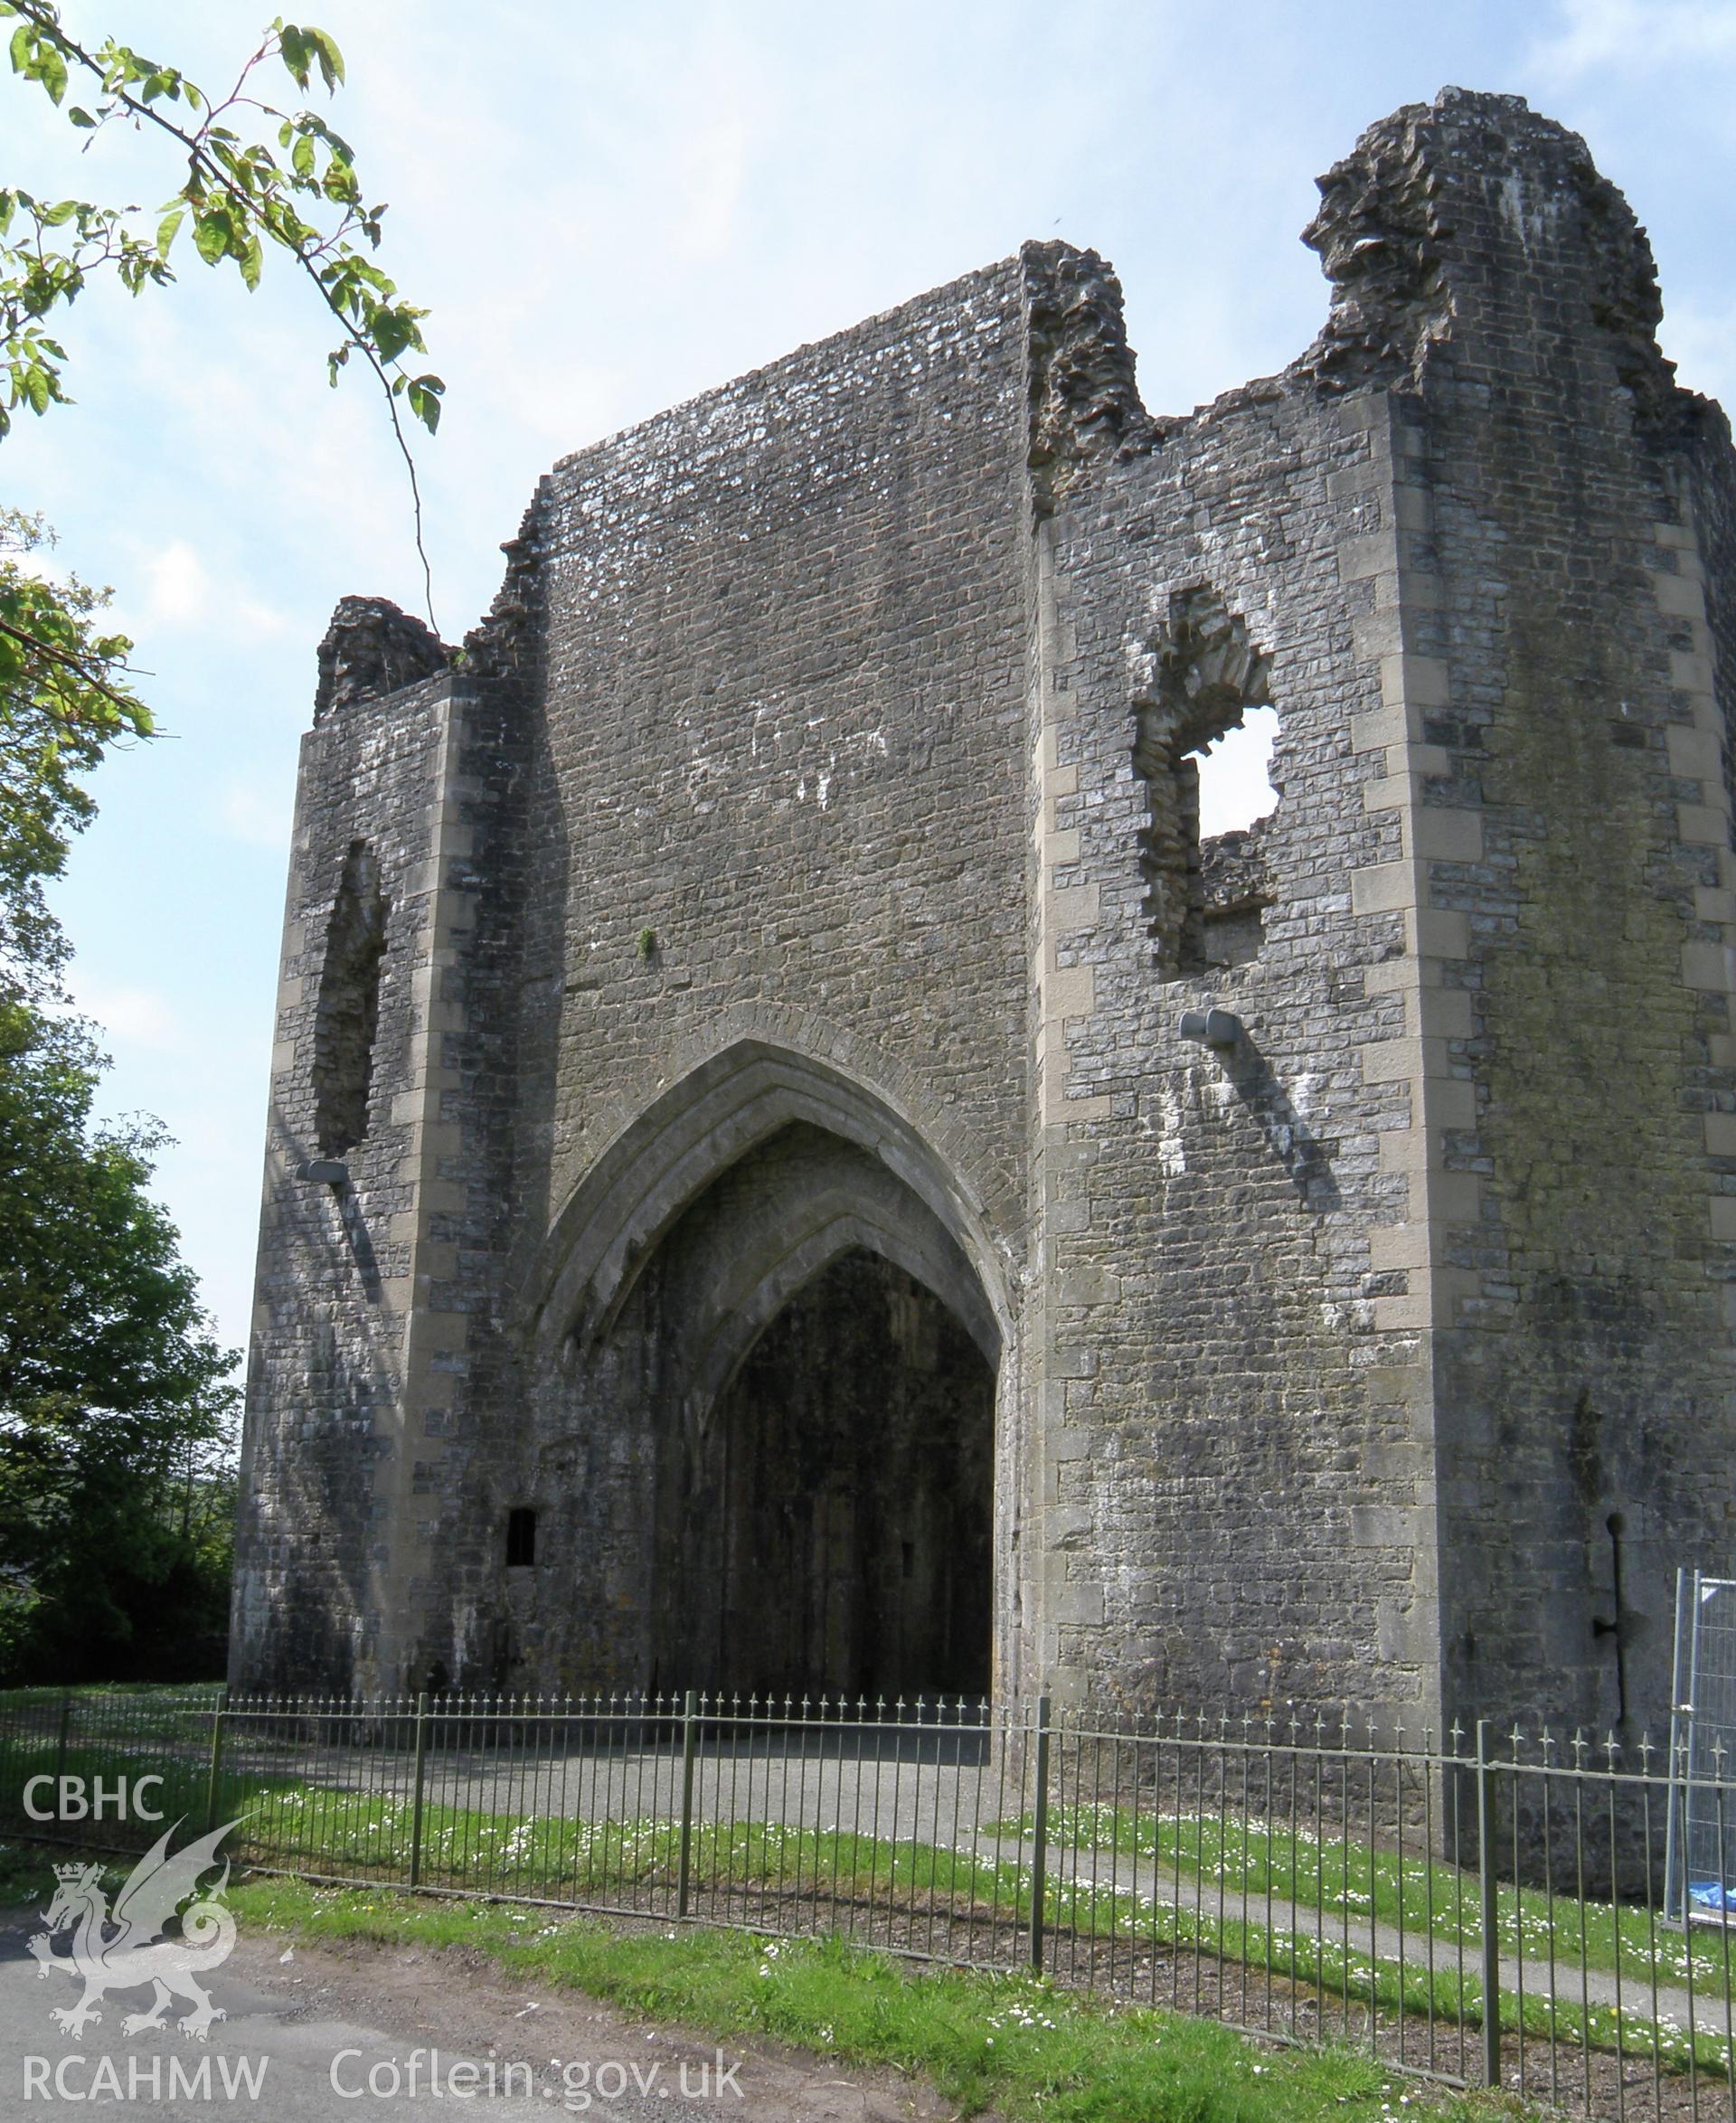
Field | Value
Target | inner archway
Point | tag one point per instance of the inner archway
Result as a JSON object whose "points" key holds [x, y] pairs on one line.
{"points": [[774, 1443], [834, 1529]]}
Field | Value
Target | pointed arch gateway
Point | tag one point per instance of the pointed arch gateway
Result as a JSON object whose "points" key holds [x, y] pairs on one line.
{"points": [[781, 1305]]}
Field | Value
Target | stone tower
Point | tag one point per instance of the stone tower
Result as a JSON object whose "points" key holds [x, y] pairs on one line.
{"points": [[757, 1194]]}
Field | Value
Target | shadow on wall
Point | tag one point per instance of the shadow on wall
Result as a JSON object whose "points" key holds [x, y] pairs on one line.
{"points": [[303, 1483], [1304, 1156], [360, 1241]]}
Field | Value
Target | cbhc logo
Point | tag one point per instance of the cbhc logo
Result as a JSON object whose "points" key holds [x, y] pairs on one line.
{"points": [[78, 1801]]}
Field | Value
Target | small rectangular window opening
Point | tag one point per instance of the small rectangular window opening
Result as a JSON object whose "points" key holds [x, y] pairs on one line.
{"points": [[521, 1537]]}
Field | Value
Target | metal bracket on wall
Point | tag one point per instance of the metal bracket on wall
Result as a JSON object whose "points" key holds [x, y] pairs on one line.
{"points": [[1212, 1028]]}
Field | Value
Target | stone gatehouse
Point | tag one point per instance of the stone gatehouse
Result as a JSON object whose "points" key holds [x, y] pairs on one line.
{"points": [[757, 1196]]}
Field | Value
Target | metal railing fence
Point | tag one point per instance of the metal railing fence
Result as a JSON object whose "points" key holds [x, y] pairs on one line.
{"points": [[1295, 1877]]}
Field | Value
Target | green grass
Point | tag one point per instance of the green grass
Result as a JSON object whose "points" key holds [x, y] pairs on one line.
{"points": [[794, 1879], [790, 1879], [1345, 1878], [1303, 1956], [169, 1692], [1022, 2047], [24, 1874], [180, 1759]]}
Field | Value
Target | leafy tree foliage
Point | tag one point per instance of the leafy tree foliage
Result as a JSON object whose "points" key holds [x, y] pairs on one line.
{"points": [[65, 700], [258, 179], [116, 1421], [255, 179], [115, 1418]]}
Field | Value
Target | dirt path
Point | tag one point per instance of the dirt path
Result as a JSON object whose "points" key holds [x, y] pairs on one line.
{"points": [[327, 2023], [463, 2001]]}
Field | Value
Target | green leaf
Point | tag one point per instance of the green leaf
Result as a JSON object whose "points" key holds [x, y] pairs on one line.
{"points": [[211, 234], [293, 49], [338, 145], [393, 332], [238, 191], [330, 59], [425, 400]]}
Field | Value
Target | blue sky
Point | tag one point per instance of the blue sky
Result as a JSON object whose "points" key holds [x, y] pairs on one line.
{"points": [[608, 210]]}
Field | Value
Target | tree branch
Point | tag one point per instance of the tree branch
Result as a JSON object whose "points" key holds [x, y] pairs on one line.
{"points": [[82, 671], [45, 19]]}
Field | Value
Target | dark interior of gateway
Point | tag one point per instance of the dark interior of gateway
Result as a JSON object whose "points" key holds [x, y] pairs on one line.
{"points": [[827, 1525]]}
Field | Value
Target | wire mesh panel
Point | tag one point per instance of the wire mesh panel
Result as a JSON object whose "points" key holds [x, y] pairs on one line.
{"points": [[1702, 1864]]}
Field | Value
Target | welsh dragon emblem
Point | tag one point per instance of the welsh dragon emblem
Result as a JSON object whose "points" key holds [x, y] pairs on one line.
{"points": [[126, 1947]]}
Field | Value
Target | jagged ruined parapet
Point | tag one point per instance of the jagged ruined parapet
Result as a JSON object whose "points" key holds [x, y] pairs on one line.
{"points": [[1439, 216], [503, 647], [373, 648], [1084, 401], [742, 1208]]}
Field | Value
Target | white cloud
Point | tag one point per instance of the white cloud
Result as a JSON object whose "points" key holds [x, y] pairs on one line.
{"points": [[140, 1016], [41, 568], [1630, 34], [178, 586], [181, 591]]}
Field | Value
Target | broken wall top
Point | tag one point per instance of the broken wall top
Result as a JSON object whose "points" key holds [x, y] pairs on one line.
{"points": [[1433, 214]]}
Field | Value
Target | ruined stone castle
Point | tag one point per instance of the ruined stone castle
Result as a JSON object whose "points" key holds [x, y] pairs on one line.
{"points": [[793, 1165]]}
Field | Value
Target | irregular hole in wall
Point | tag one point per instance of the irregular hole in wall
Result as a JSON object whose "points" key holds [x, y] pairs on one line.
{"points": [[1207, 886], [346, 1018], [1236, 790]]}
